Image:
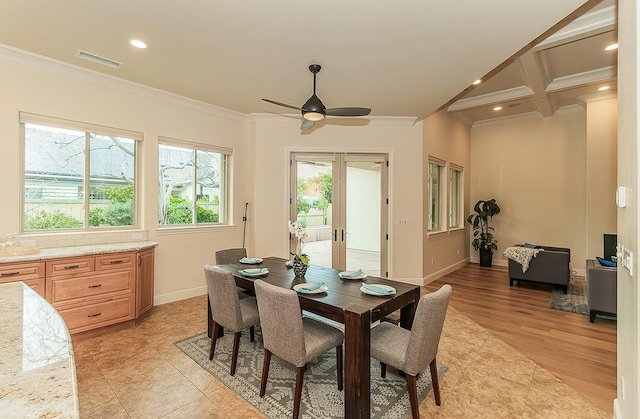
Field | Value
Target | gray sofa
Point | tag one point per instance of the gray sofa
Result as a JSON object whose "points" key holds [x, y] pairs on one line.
{"points": [[602, 288], [551, 266]]}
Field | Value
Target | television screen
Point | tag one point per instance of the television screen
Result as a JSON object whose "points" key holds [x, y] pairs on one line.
{"points": [[610, 241]]}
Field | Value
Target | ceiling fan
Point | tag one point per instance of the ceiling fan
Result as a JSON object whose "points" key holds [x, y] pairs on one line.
{"points": [[314, 110]]}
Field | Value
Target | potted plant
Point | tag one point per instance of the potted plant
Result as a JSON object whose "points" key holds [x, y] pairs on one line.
{"points": [[483, 240], [300, 260]]}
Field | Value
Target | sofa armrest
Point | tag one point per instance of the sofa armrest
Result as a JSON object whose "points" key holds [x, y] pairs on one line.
{"points": [[602, 287]]}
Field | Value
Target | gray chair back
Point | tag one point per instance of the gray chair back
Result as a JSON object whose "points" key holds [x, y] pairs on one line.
{"points": [[426, 330], [281, 322], [226, 256], [225, 304]]}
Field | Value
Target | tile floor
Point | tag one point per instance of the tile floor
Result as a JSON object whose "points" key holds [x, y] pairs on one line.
{"points": [[139, 373]]}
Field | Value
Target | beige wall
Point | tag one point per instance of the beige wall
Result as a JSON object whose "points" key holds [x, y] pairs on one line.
{"points": [[602, 167], [65, 92], [446, 138], [277, 136], [535, 169], [627, 404]]}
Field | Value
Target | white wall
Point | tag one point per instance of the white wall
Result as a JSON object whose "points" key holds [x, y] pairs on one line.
{"points": [[39, 86], [276, 136]]}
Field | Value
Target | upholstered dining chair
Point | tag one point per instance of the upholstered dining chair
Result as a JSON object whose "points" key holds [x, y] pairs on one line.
{"points": [[226, 256], [410, 351], [228, 310], [291, 337]]}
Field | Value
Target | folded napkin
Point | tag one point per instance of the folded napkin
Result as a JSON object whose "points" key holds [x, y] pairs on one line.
{"points": [[353, 274], [250, 260], [379, 290], [259, 271], [312, 287]]}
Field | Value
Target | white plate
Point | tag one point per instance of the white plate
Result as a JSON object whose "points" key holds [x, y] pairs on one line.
{"points": [[250, 261], [254, 272], [362, 276], [385, 287], [308, 284]]}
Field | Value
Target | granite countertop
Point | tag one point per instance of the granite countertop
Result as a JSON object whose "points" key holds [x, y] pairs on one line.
{"points": [[37, 369], [97, 249]]}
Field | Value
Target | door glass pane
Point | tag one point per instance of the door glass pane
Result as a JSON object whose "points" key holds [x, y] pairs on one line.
{"points": [[314, 195], [363, 216]]}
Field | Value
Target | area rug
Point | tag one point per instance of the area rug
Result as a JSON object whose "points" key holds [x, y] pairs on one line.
{"points": [[575, 300], [320, 395]]}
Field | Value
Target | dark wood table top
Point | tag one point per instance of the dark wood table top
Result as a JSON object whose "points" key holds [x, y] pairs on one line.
{"points": [[341, 295]]}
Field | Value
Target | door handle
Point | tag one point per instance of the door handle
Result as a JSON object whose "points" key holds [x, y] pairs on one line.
{"points": [[335, 235], [342, 235]]}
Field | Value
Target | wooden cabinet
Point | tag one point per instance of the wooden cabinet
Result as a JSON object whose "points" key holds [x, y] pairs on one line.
{"points": [[31, 273], [91, 291], [144, 281]]}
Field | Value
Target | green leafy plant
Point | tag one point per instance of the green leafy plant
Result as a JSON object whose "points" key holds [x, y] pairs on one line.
{"points": [[43, 220], [483, 238]]}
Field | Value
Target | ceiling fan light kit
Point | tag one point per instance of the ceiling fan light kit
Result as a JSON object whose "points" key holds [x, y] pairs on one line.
{"points": [[314, 110]]}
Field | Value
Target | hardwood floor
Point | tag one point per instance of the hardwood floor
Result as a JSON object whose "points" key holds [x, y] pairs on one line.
{"points": [[580, 353]]}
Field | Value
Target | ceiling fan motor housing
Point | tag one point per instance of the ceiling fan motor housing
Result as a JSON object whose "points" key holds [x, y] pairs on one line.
{"points": [[313, 109]]}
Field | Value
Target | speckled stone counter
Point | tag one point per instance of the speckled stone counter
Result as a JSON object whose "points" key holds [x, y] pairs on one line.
{"points": [[61, 252], [37, 369]]}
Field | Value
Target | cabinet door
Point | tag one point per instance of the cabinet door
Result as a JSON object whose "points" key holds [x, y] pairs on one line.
{"points": [[145, 280]]}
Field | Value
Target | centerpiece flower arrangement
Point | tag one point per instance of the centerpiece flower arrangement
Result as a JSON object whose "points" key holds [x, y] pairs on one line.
{"points": [[300, 260]]}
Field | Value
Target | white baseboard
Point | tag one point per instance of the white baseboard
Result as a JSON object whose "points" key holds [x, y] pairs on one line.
{"points": [[617, 414], [180, 295], [442, 272], [494, 262]]}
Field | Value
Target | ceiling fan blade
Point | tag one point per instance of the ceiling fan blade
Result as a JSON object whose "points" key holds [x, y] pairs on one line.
{"points": [[306, 124], [282, 104], [348, 111]]}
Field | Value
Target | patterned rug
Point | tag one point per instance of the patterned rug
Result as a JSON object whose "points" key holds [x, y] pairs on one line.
{"points": [[320, 395], [575, 300]]}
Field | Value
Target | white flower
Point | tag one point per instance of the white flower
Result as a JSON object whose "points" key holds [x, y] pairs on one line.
{"points": [[300, 233]]}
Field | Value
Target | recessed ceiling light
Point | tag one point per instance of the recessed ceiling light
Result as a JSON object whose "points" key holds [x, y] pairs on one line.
{"points": [[138, 44], [611, 47], [603, 88], [497, 108], [477, 82]]}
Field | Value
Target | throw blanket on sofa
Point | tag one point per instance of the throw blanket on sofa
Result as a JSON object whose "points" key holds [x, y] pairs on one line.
{"points": [[522, 255]]}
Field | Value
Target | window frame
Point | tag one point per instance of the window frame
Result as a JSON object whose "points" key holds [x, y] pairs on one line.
{"points": [[88, 129], [459, 195], [441, 195], [225, 206]]}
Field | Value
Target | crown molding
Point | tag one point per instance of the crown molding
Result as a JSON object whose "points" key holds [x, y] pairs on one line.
{"points": [[588, 77], [506, 95], [595, 97], [39, 62], [598, 21]]}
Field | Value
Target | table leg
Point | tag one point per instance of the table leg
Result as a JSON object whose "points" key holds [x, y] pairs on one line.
{"points": [[357, 363], [408, 312]]}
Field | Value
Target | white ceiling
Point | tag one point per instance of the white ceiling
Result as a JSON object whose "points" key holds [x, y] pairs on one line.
{"points": [[403, 58]]}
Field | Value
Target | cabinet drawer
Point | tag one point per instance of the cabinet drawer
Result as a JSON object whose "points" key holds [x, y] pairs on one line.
{"points": [[62, 289], [99, 313], [115, 261], [10, 272], [70, 266]]}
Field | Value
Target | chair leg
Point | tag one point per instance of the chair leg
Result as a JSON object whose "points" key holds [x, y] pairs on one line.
{"points": [[433, 367], [236, 348], [383, 370], [339, 366], [592, 316], [252, 333], [413, 396], [214, 337], [298, 393], [265, 372]]}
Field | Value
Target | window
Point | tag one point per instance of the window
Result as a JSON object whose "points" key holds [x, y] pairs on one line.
{"points": [[456, 199], [435, 192], [77, 176], [192, 184]]}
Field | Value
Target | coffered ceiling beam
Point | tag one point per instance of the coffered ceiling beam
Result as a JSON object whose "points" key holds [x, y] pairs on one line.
{"points": [[589, 24], [534, 67], [580, 79], [502, 96]]}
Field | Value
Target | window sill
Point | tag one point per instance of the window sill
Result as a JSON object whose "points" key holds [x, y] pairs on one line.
{"points": [[437, 233], [167, 231]]}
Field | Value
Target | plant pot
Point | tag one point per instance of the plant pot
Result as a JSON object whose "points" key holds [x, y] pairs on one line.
{"points": [[485, 257], [299, 267]]}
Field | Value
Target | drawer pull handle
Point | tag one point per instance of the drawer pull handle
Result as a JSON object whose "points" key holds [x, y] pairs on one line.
{"points": [[95, 286], [71, 266], [113, 262], [94, 315], [10, 273]]}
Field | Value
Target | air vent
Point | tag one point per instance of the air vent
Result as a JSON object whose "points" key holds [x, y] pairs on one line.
{"points": [[513, 105], [97, 59]]}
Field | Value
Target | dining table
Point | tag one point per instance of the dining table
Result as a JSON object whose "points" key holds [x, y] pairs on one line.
{"points": [[345, 301]]}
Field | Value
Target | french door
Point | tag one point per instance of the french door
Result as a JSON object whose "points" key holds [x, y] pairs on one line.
{"points": [[341, 200]]}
